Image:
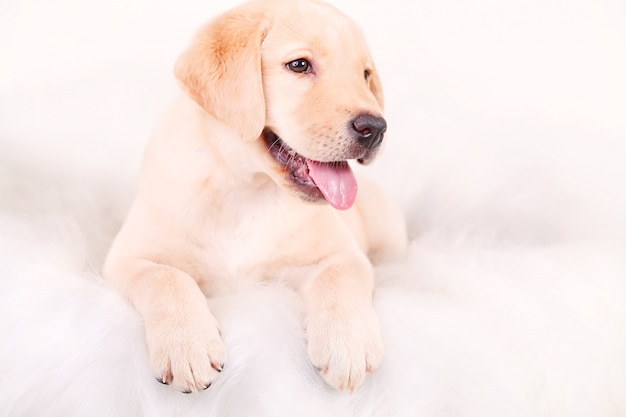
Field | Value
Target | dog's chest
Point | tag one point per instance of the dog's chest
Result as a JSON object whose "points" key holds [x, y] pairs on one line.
{"points": [[253, 243]]}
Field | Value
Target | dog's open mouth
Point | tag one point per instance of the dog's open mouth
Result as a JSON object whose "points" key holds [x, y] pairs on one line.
{"points": [[333, 181]]}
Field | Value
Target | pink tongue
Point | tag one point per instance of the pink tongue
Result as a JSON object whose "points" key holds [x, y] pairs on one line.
{"points": [[336, 181]]}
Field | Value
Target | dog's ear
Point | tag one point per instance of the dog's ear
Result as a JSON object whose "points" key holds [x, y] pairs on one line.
{"points": [[377, 88], [221, 70]]}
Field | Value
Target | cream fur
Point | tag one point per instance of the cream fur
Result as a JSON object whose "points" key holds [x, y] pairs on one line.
{"points": [[213, 208]]}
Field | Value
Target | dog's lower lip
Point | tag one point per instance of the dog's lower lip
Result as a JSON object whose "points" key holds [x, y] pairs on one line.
{"points": [[293, 162]]}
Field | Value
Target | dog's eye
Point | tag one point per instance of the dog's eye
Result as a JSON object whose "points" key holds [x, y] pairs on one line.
{"points": [[300, 65], [366, 75]]}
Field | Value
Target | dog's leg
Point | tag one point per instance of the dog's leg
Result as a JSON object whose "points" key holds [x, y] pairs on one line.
{"points": [[343, 331], [184, 343]]}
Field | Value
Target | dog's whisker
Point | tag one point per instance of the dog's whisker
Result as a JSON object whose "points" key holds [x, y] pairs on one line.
{"points": [[273, 144], [277, 142]]}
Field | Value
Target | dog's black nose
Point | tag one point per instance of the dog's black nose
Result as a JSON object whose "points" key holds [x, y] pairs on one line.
{"points": [[370, 129]]}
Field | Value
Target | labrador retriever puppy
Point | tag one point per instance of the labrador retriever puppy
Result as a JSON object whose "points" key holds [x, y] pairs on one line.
{"points": [[247, 178]]}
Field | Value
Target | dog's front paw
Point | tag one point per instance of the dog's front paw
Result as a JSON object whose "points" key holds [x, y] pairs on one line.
{"points": [[186, 353], [344, 346]]}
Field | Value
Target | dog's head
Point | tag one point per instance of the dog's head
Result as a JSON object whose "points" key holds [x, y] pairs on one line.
{"points": [[297, 77]]}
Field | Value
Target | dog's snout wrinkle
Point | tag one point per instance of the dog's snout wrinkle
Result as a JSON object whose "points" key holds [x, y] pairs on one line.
{"points": [[370, 129]]}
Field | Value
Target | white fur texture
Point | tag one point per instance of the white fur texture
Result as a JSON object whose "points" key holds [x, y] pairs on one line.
{"points": [[506, 149]]}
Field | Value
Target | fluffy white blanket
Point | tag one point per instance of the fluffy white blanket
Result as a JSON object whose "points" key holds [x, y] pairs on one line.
{"points": [[506, 149]]}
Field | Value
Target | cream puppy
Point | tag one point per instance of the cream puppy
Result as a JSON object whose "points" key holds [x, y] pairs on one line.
{"points": [[247, 178]]}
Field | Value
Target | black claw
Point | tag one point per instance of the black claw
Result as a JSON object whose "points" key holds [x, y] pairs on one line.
{"points": [[162, 382], [186, 392], [207, 386]]}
